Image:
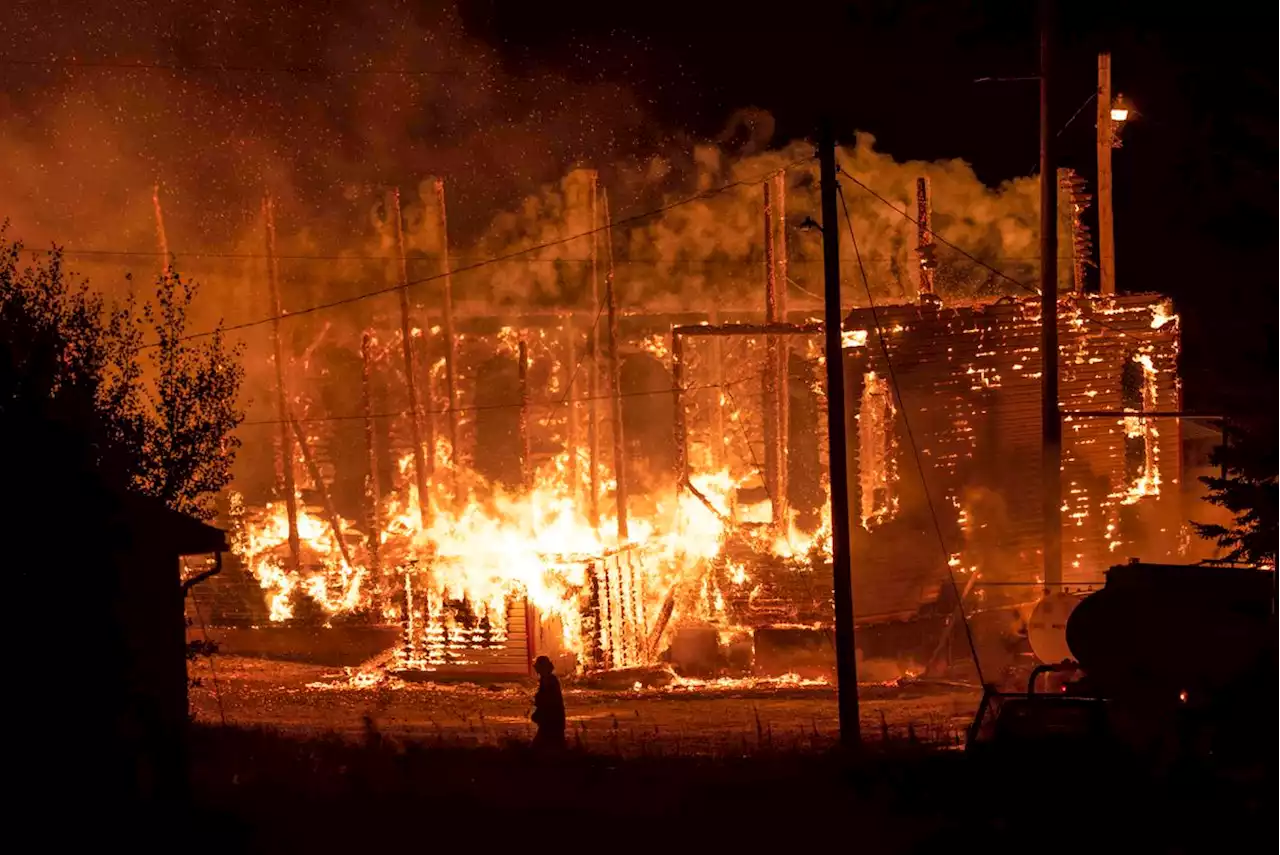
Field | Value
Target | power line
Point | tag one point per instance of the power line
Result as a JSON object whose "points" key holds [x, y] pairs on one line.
{"points": [[1031, 289], [295, 70], [494, 260], [252, 256], [915, 451]]}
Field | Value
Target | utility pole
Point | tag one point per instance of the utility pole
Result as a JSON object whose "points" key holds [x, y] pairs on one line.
{"points": [[1106, 131], [1050, 417], [841, 560]]}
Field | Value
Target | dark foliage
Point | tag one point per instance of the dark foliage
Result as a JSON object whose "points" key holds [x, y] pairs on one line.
{"points": [[159, 415], [1247, 488]]}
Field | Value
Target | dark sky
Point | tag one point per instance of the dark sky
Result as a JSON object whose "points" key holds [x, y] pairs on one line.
{"points": [[1195, 183]]}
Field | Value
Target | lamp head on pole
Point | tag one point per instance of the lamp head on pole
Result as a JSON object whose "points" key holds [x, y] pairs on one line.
{"points": [[1122, 112]]}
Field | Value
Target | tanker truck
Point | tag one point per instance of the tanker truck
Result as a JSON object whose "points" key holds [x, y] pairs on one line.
{"points": [[1164, 660]]}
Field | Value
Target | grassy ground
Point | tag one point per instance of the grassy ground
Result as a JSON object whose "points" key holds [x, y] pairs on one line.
{"points": [[707, 719], [263, 792], [310, 763]]}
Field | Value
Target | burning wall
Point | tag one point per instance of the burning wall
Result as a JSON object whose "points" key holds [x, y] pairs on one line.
{"points": [[969, 379]]}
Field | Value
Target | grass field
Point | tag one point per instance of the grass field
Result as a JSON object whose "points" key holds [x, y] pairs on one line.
{"points": [[689, 718], [311, 762]]}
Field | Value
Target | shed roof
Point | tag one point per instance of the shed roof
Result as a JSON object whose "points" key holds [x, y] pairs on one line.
{"points": [[154, 523]]}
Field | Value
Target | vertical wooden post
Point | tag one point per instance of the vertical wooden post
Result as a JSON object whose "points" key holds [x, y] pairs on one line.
{"points": [[771, 462], [406, 339], [615, 381], [282, 399], [570, 366], [407, 622], [593, 360], [784, 343], [677, 402], [373, 490], [925, 247], [1106, 237], [720, 438], [450, 340], [526, 464]]}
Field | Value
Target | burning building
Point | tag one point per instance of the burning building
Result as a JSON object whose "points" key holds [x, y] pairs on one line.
{"points": [[959, 439], [608, 486]]}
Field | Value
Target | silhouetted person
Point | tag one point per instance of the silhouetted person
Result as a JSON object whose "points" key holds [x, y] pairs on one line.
{"points": [[548, 706]]}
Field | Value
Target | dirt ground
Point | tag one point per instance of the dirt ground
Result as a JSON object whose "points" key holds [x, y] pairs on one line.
{"points": [[690, 717]]}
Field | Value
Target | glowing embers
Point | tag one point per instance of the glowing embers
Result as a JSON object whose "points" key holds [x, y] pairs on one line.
{"points": [[1140, 392], [1161, 314], [439, 632], [877, 446]]}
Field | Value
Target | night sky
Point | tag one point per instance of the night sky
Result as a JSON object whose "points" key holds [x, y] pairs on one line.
{"points": [[1195, 184], [530, 88]]}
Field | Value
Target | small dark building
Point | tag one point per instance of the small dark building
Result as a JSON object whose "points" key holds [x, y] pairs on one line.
{"points": [[98, 717], [149, 613]]}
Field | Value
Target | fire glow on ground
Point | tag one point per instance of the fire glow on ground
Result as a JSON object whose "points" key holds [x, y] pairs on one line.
{"points": [[688, 716]]}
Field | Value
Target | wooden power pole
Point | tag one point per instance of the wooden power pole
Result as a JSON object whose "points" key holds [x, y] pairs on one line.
{"points": [[1050, 417], [1106, 237], [841, 560]]}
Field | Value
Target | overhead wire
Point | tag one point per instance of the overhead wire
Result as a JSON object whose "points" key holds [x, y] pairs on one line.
{"points": [[391, 289], [915, 450], [315, 70]]}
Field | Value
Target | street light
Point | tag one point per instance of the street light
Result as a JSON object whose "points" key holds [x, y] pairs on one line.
{"points": [[1121, 112]]}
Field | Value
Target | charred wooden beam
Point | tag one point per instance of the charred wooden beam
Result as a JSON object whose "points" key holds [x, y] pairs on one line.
{"points": [[282, 400], [770, 374], [593, 360], [450, 339], [526, 463], [335, 524], [677, 401], [373, 491], [615, 382], [732, 329], [406, 340]]}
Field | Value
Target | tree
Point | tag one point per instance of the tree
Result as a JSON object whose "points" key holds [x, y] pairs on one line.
{"points": [[185, 438], [1248, 490], [156, 405]]}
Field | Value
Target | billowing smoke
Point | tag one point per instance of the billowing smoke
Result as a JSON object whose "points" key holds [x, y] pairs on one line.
{"points": [[329, 113]]}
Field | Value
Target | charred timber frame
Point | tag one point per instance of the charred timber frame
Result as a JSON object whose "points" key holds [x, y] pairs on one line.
{"points": [[678, 334], [330, 512]]}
